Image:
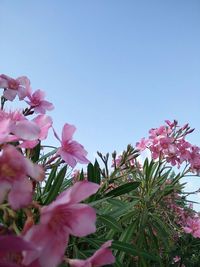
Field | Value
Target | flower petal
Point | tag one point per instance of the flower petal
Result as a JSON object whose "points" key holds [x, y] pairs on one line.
{"points": [[26, 130], [81, 221], [67, 132]]}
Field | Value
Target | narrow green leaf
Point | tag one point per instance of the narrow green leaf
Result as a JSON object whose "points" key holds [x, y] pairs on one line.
{"points": [[123, 189], [82, 175], [97, 172], [129, 249], [90, 173], [56, 185], [36, 153], [47, 155], [110, 222], [51, 177]]}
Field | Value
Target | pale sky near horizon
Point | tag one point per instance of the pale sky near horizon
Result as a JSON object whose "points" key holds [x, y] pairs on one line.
{"points": [[112, 68]]}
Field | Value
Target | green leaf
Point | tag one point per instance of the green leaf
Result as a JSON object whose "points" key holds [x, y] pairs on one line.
{"points": [[54, 191], [125, 237], [129, 249], [110, 222], [51, 177], [47, 155], [123, 189], [36, 153], [82, 175], [121, 211], [90, 173], [97, 172]]}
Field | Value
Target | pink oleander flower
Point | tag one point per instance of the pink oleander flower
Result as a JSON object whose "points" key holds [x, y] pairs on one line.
{"points": [[101, 257], [44, 122], [176, 259], [11, 248], [16, 127], [37, 102], [184, 148], [14, 172], [13, 87], [71, 151], [193, 226], [63, 217], [195, 159], [142, 145]]}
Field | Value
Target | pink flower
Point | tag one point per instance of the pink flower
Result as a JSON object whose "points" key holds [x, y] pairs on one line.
{"points": [[71, 151], [11, 247], [176, 259], [193, 226], [101, 257], [195, 159], [15, 126], [44, 122], [61, 218], [142, 145], [37, 102], [19, 86], [14, 172]]}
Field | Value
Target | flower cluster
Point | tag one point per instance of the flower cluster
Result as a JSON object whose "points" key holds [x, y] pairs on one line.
{"points": [[41, 240], [169, 142]]}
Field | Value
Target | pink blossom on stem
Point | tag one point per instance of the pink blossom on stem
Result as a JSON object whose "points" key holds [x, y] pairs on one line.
{"points": [[101, 257], [62, 217], [195, 159], [14, 172], [37, 102], [193, 226], [13, 87], [71, 151], [142, 145]]}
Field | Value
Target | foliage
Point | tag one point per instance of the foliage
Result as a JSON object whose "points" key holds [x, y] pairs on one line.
{"points": [[53, 215]]}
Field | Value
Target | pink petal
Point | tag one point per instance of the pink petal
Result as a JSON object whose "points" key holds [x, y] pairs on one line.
{"points": [[35, 171], [39, 109], [14, 244], [5, 129], [78, 192], [39, 95], [44, 122], [10, 94], [56, 248], [26, 130], [51, 247], [47, 105], [103, 256], [67, 157], [81, 221], [28, 144], [3, 82], [20, 194], [79, 263], [67, 132], [40, 236]]}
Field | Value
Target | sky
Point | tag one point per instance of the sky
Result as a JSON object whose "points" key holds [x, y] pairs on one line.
{"points": [[112, 68]]}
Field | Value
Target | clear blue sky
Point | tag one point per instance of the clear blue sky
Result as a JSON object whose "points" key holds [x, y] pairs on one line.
{"points": [[112, 68]]}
